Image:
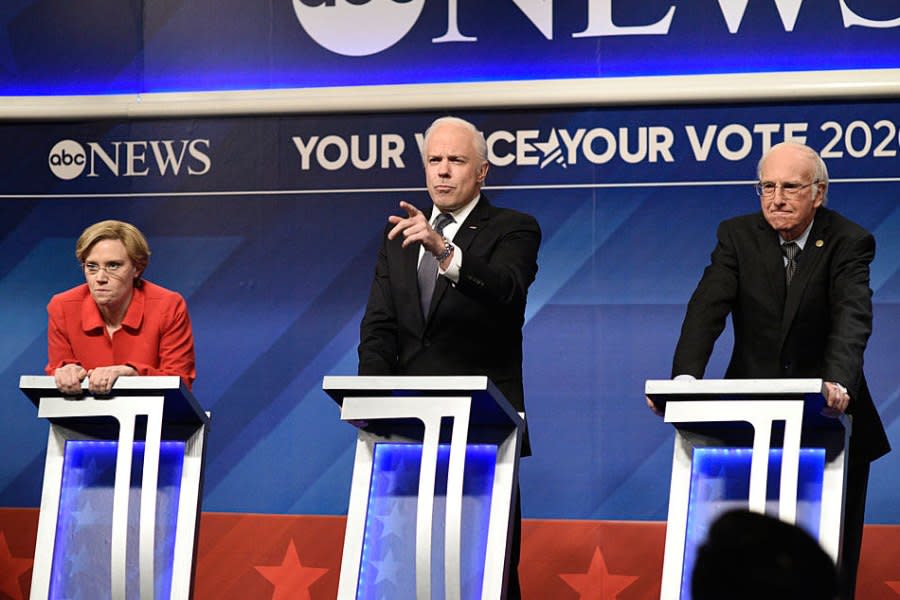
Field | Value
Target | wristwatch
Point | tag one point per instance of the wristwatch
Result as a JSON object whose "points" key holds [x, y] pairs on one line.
{"points": [[448, 250]]}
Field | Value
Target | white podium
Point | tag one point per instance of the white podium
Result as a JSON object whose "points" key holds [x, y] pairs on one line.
{"points": [[109, 528], [767, 421], [433, 484]]}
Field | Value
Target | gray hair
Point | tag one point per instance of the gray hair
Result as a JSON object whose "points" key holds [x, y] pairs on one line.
{"points": [[477, 137], [820, 171]]}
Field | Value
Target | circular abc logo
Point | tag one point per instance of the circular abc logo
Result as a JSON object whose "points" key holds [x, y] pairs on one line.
{"points": [[67, 159], [357, 27]]}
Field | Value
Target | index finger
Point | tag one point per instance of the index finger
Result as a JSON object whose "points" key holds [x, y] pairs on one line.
{"points": [[409, 208]]}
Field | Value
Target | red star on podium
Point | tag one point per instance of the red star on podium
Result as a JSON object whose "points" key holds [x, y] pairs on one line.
{"points": [[894, 585], [597, 583], [291, 579], [11, 568]]}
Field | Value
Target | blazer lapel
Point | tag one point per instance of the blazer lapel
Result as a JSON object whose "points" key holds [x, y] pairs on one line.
{"points": [[772, 259], [473, 224]]}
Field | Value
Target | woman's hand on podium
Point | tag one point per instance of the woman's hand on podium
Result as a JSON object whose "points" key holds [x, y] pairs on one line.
{"points": [[68, 379], [102, 379]]}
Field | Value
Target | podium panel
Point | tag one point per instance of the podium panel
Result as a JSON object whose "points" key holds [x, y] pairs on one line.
{"points": [[763, 445], [433, 485], [121, 493], [391, 521]]}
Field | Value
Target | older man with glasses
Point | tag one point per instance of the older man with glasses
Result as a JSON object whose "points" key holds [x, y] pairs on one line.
{"points": [[795, 279]]}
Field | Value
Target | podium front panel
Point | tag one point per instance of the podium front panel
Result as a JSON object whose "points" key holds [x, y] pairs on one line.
{"points": [[82, 553], [388, 564], [720, 481]]}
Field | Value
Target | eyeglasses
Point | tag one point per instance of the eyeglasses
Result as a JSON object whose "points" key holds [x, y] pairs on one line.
{"points": [[111, 268], [766, 189]]}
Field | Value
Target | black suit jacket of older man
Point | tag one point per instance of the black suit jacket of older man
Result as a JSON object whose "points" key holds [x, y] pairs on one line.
{"points": [[473, 327], [816, 327]]}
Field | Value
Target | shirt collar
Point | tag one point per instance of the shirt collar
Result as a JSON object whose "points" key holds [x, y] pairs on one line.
{"points": [[460, 214], [800, 241], [91, 318]]}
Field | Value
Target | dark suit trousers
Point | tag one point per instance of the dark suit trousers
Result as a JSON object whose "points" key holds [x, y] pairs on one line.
{"points": [[854, 518], [513, 588]]}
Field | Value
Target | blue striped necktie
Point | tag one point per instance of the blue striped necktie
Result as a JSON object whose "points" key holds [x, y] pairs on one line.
{"points": [[790, 251], [428, 266]]}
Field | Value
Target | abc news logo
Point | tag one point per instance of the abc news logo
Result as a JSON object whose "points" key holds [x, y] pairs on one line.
{"points": [[68, 159], [357, 27]]}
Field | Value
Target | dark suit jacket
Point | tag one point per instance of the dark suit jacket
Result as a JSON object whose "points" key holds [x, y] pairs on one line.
{"points": [[473, 327], [818, 327]]}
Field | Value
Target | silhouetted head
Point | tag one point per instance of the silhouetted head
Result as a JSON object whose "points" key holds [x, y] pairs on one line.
{"points": [[748, 555]]}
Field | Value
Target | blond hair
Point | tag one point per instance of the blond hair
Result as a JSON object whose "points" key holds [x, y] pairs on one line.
{"points": [[131, 237]]}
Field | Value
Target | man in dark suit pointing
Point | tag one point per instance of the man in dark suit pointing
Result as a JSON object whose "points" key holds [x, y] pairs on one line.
{"points": [[795, 279], [451, 283]]}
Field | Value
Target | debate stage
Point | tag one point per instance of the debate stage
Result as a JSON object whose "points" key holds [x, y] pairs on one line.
{"points": [[297, 557]]}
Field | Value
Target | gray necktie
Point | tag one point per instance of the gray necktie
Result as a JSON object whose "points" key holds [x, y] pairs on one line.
{"points": [[428, 266], [790, 251]]}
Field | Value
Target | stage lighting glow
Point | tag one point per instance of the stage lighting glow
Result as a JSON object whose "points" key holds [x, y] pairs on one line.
{"points": [[82, 554], [720, 481], [388, 561]]}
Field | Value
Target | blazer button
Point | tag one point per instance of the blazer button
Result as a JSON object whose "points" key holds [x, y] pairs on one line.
{"points": [[787, 366]]}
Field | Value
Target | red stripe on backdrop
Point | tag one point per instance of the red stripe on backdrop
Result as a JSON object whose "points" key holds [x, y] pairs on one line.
{"points": [[268, 556], [592, 559], [281, 557]]}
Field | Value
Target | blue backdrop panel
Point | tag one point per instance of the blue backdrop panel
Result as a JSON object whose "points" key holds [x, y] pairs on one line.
{"points": [[270, 228], [50, 47]]}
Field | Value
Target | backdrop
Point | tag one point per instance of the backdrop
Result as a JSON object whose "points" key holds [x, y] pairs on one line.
{"points": [[52, 47], [270, 226]]}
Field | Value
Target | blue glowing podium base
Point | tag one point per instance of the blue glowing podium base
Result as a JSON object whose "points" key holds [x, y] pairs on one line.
{"points": [[757, 444], [434, 481], [121, 495]]}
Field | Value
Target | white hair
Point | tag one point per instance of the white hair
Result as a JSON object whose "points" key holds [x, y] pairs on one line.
{"points": [[477, 136], [819, 170]]}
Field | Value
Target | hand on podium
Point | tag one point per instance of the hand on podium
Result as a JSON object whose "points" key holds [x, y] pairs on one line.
{"points": [[68, 379], [100, 380], [836, 398], [653, 407]]}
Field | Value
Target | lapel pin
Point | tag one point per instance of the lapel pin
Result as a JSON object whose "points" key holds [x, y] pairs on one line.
{"points": [[473, 226], [819, 243]]}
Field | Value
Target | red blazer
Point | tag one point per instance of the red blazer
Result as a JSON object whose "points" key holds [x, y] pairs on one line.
{"points": [[155, 338]]}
